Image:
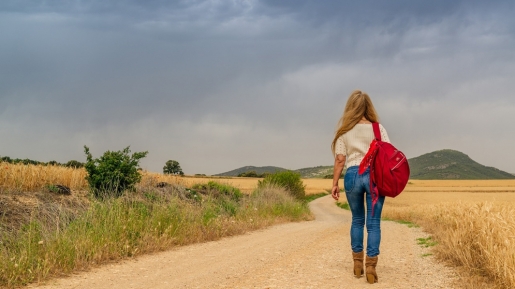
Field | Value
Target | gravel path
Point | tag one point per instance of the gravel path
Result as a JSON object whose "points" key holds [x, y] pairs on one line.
{"points": [[313, 254]]}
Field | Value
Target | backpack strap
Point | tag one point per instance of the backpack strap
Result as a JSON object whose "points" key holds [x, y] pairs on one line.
{"points": [[377, 132], [374, 192]]}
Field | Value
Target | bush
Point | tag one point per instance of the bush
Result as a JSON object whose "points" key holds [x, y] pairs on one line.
{"points": [[289, 180], [113, 173], [216, 189]]}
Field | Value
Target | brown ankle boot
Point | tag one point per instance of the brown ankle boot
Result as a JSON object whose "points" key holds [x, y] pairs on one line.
{"points": [[371, 263], [358, 263]]}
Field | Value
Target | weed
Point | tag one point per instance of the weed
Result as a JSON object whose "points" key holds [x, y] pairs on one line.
{"points": [[343, 205], [313, 197], [426, 242], [404, 222], [52, 188]]}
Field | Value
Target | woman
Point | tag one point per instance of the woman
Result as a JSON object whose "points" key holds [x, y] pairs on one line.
{"points": [[350, 145]]}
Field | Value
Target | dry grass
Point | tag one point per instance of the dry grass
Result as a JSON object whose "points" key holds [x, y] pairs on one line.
{"points": [[55, 243], [313, 186], [45, 234], [472, 221], [246, 185], [32, 178]]}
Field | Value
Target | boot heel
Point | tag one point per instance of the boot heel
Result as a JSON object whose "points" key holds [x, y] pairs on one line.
{"points": [[371, 278], [358, 272], [371, 269]]}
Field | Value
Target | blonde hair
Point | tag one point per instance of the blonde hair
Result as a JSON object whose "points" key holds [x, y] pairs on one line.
{"points": [[358, 106]]}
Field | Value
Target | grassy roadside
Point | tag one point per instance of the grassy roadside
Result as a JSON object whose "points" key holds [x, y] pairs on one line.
{"points": [[313, 197], [477, 238], [148, 220]]}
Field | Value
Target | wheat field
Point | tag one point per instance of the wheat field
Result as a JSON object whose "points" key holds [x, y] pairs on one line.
{"points": [[32, 178], [473, 223]]}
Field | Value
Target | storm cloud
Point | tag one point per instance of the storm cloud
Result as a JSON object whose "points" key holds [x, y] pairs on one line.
{"points": [[217, 85]]}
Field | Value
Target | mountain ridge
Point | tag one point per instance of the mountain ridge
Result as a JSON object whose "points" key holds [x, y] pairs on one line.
{"points": [[438, 165], [310, 172]]}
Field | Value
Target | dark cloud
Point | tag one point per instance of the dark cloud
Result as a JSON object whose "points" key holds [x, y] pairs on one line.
{"points": [[222, 84]]}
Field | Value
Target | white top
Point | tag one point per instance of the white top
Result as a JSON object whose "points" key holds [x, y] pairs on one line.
{"points": [[355, 143]]}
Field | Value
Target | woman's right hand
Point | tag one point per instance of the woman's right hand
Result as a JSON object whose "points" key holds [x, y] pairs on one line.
{"points": [[339, 163], [335, 192]]}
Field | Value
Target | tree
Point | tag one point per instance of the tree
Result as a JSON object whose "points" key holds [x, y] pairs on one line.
{"points": [[6, 159], [173, 168], [249, 174], [74, 164]]}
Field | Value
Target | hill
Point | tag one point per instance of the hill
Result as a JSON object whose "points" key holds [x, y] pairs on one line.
{"points": [[315, 172], [438, 165], [312, 172], [451, 164], [258, 170]]}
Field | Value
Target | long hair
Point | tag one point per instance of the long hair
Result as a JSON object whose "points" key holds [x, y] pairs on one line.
{"points": [[358, 106]]}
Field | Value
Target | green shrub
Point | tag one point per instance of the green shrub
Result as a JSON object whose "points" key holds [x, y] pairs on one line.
{"points": [[289, 180], [113, 173], [216, 189]]}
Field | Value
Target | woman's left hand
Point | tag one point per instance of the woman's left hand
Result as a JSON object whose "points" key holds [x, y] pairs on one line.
{"points": [[335, 192]]}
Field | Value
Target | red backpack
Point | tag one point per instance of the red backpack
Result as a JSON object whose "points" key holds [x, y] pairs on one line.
{"points": [[389, 168]]}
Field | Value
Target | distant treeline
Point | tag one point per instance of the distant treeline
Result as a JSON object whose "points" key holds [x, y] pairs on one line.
{"points": [[70, 164], [253, 174]]}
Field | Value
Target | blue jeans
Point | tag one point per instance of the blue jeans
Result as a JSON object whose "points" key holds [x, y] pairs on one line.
{"points": [[357, 190]]}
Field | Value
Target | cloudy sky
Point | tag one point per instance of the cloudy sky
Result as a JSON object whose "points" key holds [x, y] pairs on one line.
{"points": [[217, 85]]}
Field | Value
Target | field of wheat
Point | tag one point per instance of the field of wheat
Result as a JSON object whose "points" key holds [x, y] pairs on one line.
{"points": [[473, 223], [33, 178]]}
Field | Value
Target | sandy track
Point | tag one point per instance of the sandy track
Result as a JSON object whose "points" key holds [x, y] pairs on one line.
{"points": [[312, 254]]}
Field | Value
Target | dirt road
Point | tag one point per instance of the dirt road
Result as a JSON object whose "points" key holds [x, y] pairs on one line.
{"points": [[312, 254]]}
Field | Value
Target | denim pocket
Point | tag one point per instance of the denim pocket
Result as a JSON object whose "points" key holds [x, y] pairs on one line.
{"points": [[350, 179]]}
